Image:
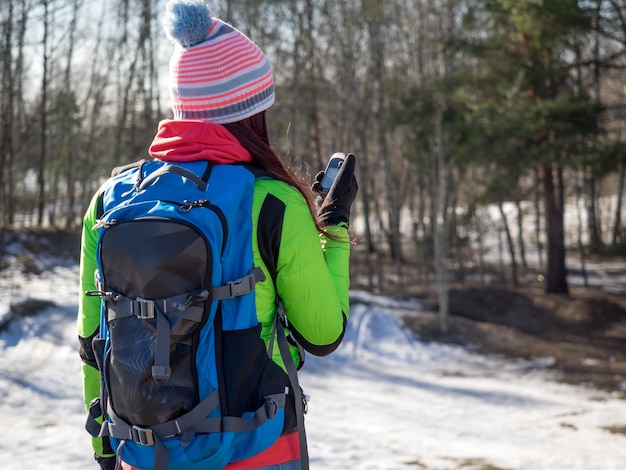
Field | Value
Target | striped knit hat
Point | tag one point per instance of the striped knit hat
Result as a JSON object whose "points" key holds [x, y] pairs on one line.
{"points": [[216, 73]]}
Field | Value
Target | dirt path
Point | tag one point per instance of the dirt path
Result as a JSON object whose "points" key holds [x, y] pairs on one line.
{"points": [[583, 336]]}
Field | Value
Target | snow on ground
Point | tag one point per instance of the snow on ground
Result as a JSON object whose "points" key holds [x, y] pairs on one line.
{"points": [[383, 400]]}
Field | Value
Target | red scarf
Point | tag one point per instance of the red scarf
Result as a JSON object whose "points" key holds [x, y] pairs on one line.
{"points": [[185, 141]]}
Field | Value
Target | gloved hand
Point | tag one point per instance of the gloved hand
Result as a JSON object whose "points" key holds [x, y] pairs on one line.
{"points": [[106, 463], [335, 206]]}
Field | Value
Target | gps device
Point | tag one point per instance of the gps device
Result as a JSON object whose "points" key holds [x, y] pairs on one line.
{"points": [[330, 173]]}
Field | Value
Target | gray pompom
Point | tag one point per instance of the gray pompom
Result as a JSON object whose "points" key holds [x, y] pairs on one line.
{"points": [[187, 22]]}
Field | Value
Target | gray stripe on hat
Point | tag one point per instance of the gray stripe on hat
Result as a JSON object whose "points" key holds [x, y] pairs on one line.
{"points": [[224, 29], [245, 108]]}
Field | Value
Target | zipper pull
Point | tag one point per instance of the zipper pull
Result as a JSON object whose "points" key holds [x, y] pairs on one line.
{"points": [[102, 224], [188, 205]]}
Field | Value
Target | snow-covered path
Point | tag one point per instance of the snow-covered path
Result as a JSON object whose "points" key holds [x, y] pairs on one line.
{"points": [[382, 401]]}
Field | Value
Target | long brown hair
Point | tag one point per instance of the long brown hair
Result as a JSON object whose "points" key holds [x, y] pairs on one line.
{"points": [[253, 136]]}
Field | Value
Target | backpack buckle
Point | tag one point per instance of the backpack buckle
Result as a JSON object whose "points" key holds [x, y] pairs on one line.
{"points": [[142, 436], [241, 286], [146, 308]]}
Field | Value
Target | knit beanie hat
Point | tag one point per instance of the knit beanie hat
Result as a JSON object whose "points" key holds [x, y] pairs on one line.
{"points": [[217, 74]]}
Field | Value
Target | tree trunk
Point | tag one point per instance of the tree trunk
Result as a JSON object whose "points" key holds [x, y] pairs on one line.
{"points": [[314, 147], [6, 116], [41, 180], [581, 246], [537, 205], [520, 234], [556, 274], [617, 226], [71, 143], [510, 244], [441, 226], [595, 239], [377, 42], [18, 114], [366, 201]]}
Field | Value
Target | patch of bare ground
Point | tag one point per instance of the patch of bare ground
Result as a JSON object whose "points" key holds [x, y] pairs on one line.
{"points": [[462, 464], [34, 249], [583, 332], [475, 464], [615, 429]]}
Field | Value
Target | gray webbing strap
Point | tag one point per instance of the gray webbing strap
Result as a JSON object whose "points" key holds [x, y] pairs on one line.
{"points": [[154, 435], [161, 369], [184, 306], [265, 412], [119, 429], [118, 456], [180, 171], [241, 286], [292, 373], [189, 421]]}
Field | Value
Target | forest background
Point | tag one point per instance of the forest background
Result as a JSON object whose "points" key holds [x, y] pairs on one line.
{"points": [[471, 119]]}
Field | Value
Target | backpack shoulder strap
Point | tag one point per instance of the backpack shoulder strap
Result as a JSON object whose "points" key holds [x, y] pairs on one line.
{"points": [[292, 374]]}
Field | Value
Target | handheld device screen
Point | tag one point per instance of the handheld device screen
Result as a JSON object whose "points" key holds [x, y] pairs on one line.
{"points": [[331, 171]]}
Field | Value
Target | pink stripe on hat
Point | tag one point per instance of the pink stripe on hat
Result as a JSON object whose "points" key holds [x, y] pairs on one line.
{"points": [[235, 67]]}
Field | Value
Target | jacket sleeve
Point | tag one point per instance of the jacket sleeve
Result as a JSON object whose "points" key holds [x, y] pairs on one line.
{"points": [[88, 321], [312, 277]]}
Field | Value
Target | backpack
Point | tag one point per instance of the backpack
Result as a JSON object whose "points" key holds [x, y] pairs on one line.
{"points": [[186, 380]]}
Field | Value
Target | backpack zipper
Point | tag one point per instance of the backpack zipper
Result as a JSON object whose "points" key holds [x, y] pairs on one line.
{"points": [[183, 207], [186, 206]]}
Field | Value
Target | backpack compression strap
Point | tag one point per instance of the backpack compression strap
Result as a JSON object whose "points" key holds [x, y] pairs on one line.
{"points": [[186, 426], [241, 286], [187, 306]]}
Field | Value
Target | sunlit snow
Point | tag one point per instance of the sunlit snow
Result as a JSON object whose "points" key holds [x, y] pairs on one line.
{"points": [[383, 400]]}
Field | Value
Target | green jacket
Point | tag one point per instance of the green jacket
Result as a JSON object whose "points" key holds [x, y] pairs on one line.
{"points": [[310, 275]]}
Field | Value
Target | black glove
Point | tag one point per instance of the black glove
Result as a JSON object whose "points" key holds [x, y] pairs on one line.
{"points": [[335, 206], [106, 463]]}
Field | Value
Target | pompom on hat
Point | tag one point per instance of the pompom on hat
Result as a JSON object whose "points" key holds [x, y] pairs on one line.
{"points": [[217, 74]]}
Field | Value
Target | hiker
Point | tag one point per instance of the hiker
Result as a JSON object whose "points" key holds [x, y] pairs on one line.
{"points": [[221, 86]]}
